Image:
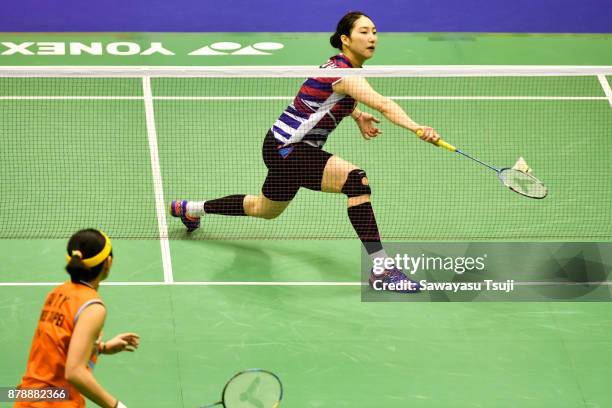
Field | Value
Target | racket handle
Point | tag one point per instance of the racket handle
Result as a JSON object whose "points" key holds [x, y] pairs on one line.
{"points": [[439, 143], [447, 146]]}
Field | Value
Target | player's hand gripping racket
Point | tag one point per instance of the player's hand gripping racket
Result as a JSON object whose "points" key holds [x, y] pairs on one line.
{"points": [[518, 181], [253, 388]]}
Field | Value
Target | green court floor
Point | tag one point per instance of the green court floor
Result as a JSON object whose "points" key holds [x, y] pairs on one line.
{"points": [[285, 294], [332, 350]]}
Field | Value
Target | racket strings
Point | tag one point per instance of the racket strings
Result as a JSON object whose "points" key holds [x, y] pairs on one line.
{"points": [[523, 183], [253, 389]]}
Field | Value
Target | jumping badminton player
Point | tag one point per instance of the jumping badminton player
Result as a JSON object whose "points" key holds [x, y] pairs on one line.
{"points": [[293, 148], [67, 340]]}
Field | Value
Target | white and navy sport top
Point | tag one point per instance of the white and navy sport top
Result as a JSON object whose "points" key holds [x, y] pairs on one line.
{"points": [[316, 110]]}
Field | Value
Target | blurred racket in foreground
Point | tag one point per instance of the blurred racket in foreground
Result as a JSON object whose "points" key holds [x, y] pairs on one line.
{"points": [[253, 388]]}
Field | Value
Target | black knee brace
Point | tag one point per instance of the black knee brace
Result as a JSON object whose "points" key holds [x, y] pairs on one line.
{"points": [[356, 184]]}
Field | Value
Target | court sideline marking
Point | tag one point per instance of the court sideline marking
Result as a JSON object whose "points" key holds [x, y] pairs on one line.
{"points": [[606, 87], [157, 181]]}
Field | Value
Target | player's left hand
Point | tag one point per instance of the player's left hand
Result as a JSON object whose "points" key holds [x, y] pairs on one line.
{"points": [[366, 125], [122, 342]]}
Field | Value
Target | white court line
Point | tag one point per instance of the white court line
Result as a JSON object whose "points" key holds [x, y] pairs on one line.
{"points": [[193, 283], [400, 98], [288, 98], [157, 181], [15, 284], [499, 98], [78, 98], [224, 98], [606, 87]]}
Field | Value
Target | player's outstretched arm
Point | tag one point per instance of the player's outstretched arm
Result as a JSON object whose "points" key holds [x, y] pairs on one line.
{"points": [[360, 90]]}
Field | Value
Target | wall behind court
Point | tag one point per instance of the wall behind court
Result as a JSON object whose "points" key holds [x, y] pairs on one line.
{"points": [[522, 16]]}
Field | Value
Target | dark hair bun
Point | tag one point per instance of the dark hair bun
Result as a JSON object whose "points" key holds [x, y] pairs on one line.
{"points": [[335, 41]]}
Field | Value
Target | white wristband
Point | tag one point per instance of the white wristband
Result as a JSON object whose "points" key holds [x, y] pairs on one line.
{"points": [[120, 405]]}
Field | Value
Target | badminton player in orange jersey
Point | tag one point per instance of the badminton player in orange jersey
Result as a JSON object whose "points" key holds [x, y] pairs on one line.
{"points": [[67, 340]]}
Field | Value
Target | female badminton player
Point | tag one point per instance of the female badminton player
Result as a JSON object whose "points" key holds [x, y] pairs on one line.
{"points": [[67, 340], [293, 147]]}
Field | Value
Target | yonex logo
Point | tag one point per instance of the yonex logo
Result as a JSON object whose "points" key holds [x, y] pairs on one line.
{"points": [[128, 48], [233, 48], [118, 48]]}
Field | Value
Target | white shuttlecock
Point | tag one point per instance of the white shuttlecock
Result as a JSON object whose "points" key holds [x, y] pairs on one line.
{"points": [[522, 165]]}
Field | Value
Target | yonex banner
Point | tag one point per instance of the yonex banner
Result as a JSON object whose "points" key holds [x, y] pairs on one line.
{"points": [[489, 271], [312, 49]]}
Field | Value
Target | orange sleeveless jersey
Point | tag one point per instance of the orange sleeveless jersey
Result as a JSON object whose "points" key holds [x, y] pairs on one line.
{"points": [[47, 361]]}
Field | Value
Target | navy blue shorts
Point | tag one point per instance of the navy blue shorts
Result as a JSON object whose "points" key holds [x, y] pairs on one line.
{"points": [[291, 167]]}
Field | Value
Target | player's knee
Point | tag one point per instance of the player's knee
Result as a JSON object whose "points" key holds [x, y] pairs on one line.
{"points": [[260, 210], [356, 184], [270, 214]]}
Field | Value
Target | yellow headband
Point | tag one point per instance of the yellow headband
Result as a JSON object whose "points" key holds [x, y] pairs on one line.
{"points": [[96, 259]]}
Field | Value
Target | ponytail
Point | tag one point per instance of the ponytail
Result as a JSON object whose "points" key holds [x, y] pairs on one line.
{"points": [[87, 251]]}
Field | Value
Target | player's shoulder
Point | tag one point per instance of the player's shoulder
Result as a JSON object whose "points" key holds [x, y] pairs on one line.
{"points": [[93, 313], [78, 294], [337, 61]]}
